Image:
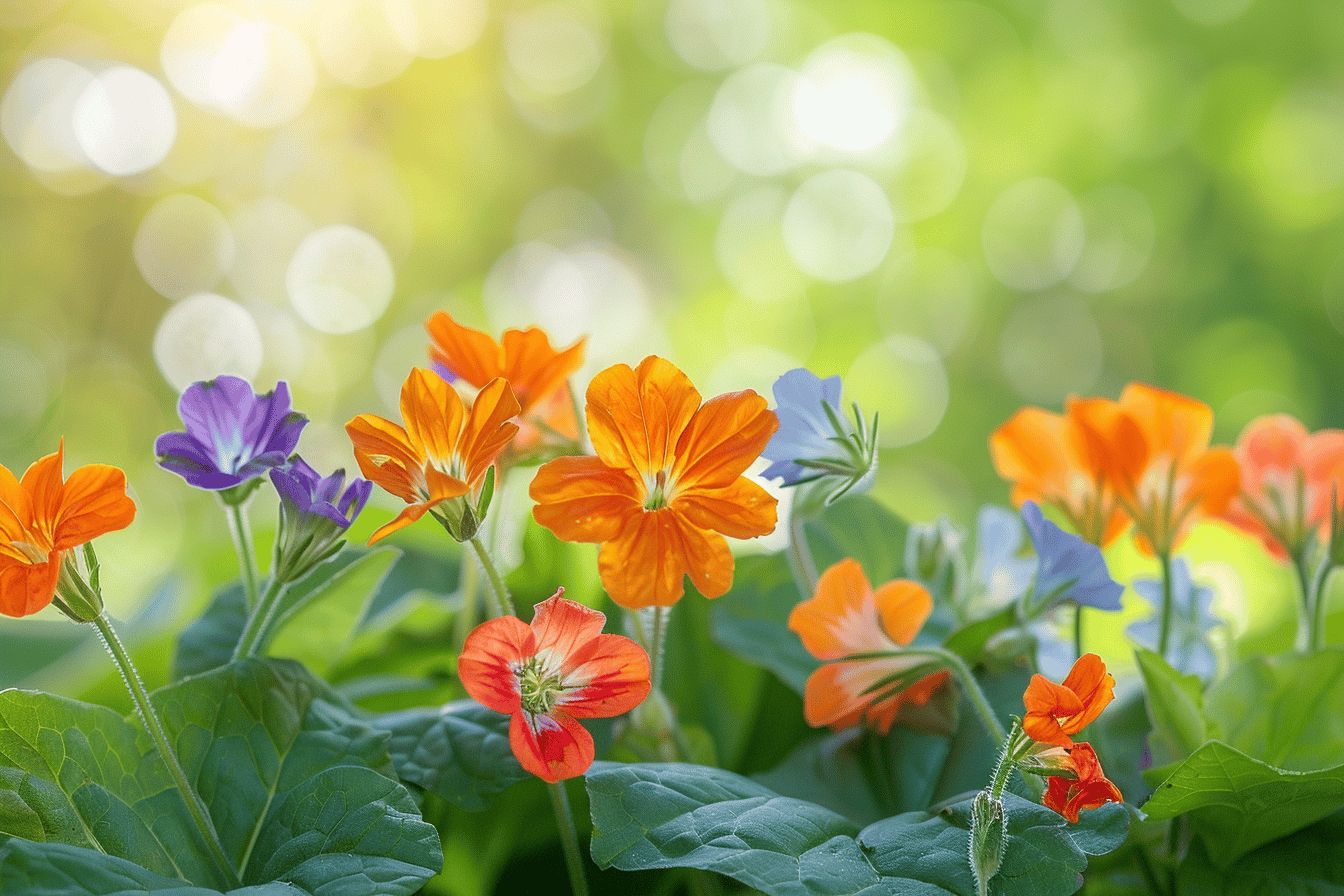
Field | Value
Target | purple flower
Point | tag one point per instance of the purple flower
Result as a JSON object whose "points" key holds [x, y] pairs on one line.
{"points": [[315, 511], [233, 435], [1069, 568], [814, 441]]}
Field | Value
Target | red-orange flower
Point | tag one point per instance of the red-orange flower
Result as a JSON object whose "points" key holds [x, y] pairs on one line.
{"points": [[1288, 476], [444, 449], [1048, 460], [666, 485], [537, 372], [550, 674], [847, 618], [1154, 452], [1055, 712], [1088, 789], [43, 515]]}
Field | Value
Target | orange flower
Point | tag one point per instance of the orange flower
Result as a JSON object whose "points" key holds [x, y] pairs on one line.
{"points": [[442, 452], [550, 674], [1049, 460], [44, 515], [666, 485], [1088, 789], [1153, 447], [1287, 478], [1057, 711], [846, 618], [537, 372]]}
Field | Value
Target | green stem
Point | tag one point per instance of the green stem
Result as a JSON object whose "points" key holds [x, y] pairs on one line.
{"points": [[1168, 607], [242, 543], [468, 580], [1008, 758], [140, 697], [974, 693], [656, 645], [804, 567], [569, 839], [257, 631], [1078, 630], [1304, 590], [1320, 597], [503, 601]]}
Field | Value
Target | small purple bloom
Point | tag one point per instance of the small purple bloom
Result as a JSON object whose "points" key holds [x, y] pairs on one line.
{"points": [[805, 429], [305, 493], [232, 434], [1068, 567]]}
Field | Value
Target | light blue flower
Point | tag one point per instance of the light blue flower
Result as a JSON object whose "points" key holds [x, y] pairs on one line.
{"points": [[1192, 620], [1068, 567], [814, 442], [1001, 570]]}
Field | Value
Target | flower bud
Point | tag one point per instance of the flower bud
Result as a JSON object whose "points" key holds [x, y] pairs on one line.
{"points": [[933, 556], [315, 513], [78, 593], [989, 839]]}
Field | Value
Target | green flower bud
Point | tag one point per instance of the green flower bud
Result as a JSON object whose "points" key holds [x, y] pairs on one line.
{"points": [[989, 839]]}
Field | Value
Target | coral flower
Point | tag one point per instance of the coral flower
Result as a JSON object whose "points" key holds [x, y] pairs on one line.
{"points": [[44, 515], [550, 674], [847, 618], [1055, 712], [1287, 478], [1088, 789], [1048, 459], [444, 449], [537, 372], [666, 485], [1155, 454]]}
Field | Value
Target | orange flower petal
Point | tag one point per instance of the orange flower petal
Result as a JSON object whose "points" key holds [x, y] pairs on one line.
{"points": [[26, 588], [1089, 790], [1030, 450], [707, 557], [724, 437], [742, 509], [489, 428], [1056, 711], [386, 457], [1094, 686], [15, 508], [1173, 425], [840, 695], [1112, 444], [43, 481], [613, 678], [1214, 480], [93, 503], [903, 606], [582, 499], [636, 417], [433, 413], [468, 353], [644, 566], [409, 514], [553, 747], [537, 371], [565, 627], [840, 619], [486, 664], [1272, 444]]}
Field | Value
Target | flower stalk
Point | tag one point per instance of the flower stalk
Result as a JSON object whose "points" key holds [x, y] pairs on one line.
{"points": [[569, 838]]}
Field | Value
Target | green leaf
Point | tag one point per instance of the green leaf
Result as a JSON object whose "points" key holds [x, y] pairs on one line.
{"points": [[969, 641], [1175, 707], [298, 789], [459, 752], [1310, 863], [683, 816], [859, 527]]}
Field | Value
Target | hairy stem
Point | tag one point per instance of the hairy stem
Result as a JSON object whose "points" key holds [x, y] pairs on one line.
{"points": [[242, 543], [503, 601]]}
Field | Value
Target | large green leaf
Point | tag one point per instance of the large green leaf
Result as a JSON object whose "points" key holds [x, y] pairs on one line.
{"points": [[1175, 708], [460, 751], [684, 816], [1309, 863], [298, 789]]}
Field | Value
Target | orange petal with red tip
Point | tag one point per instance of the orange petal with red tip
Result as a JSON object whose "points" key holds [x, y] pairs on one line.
{"points": [[582, 499], [644, 566], [553, 747], [489, 428], [612, 677], [742, 509], [26, 588], [469, 354], [489, 655], [636, 417], [432, 412], [1089, 790], [724, 437], [903, 606], [93, 503], [840, 619], [386, 457]]}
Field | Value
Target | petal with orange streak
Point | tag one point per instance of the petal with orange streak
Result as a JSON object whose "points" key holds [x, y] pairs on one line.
{"points": [[470, 354], [1109, 442], [488, 658], [636, 417], [644, 566], [1094, 686], [432, 412], [724, 437], [563, 627], [535, 369], [410, 513], [707, 557], [582, 499], [386, 457], [612, 679], [833, 695], [742, 509], [840, 619], [903, 606], [553, 747], [26, 588], [94, 503], [15, 508], [489, 428], [44, 484], [1029, 449]]}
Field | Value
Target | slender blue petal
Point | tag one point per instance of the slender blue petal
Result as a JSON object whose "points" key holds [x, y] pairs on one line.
{"points": [[1000, 568], [1068, 567]]}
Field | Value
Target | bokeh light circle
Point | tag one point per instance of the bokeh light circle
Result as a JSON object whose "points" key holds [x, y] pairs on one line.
{"points": [[1050, 347], [838, 225], [437, 28], [554, 48], [340, 279], [204, 336], [903, 380], [717, 34], [749, 246], [183, 246], [1033, 234], [125, 121], [38, 112], [1120, 237], [853, 93], [751, 120]]}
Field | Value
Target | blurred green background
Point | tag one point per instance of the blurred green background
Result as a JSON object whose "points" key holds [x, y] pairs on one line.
{"points": [[961, 207]]}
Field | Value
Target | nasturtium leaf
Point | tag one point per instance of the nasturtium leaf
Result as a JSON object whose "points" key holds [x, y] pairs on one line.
{"points": [[459, 751], [1175, 707], [299, 790], [1309, 863], [683, 816]]}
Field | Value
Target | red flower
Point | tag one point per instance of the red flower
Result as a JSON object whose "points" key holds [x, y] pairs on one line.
{"points": [[550, 674], [1089, 788], [1057, 711]]}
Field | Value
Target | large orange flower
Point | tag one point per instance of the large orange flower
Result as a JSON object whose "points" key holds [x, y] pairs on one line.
{"points": [[44, 515], [847, 618], [537, 372], [444, 449], [666, 485], [1048, 459], [1288, 476], [1055, 712], [1089, 787]]}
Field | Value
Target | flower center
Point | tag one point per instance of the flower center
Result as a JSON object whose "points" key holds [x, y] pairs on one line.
{"points": [[659, 491], [539, 687]]}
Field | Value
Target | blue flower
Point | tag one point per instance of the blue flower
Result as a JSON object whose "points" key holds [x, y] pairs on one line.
{"points": [[814, 442], [1068, 568], [315, 511], [1000, 569], [1192, 620]]}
